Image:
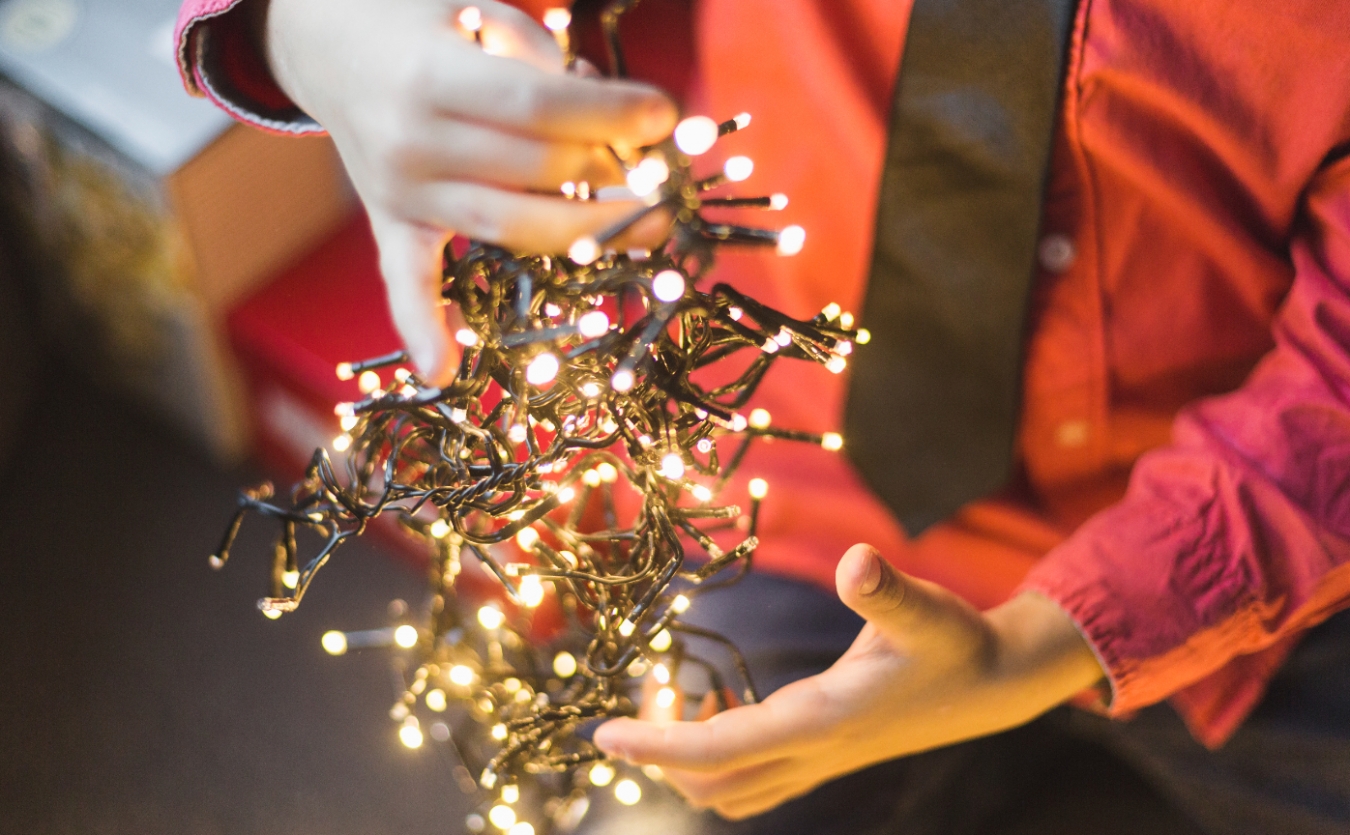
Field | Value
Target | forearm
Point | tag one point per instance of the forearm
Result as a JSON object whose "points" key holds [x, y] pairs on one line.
{"points": [[1042, 658]]}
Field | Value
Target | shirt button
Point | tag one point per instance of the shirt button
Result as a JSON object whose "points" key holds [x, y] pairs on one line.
{"points": [[1072, 434], [1056, 252]]}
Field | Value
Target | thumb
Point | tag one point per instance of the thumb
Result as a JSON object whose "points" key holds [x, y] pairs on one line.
{"points": [[905, 609], [868, 585], [410, 260]]}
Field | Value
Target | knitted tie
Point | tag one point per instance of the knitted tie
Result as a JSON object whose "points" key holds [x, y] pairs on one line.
{"points": [[934, 397]]}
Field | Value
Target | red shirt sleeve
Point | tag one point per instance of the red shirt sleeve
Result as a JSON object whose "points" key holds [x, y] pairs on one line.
{"points": [[217, 58], [1234, 538]]}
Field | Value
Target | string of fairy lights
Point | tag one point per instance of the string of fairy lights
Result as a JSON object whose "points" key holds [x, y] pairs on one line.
{"points": [[579, 460]]}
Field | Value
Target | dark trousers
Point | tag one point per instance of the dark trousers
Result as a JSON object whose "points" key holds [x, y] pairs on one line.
{"points": [[1286, 771]]}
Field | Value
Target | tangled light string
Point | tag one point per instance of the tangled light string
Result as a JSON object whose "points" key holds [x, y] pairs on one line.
{"points": [[588, 392]]}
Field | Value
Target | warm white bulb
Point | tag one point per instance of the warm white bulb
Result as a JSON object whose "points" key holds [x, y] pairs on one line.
{"points": [[436, 700], [759, 488], [680, 604], [593, 324], [271, 614], [791, 239], [466, 337], [626, 628], [510, 794], [344, 371], [527, 538], [623, 380], [557, 19], [348, 422], [531, 591], [843, 348], [520, 828], [461, 676], [566, 495], [665, 698], [628, 792], [602, 774], [368, 381], [491, 617], [516, 434], [864, 336], [502, 816], [334, 642], [702, 492], [471, 18], [584, 251], [739, 422], [440, 529], [342, 442], [590, 390], [836, 364], [564, 665], [672, 467], [661, 673], [668, 286], [760, 419], [742, 121], [662, 641], [608, 472], [696, 135], [846, 321], [778, 202], [832, 441], [290, 579], [410, 734], [738, 168], [831, 311], [406, 636], [542, 369], [498, 732]]}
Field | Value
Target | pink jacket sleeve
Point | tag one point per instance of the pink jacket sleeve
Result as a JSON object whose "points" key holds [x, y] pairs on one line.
{"points": [[1235, 537], [218, 58]]}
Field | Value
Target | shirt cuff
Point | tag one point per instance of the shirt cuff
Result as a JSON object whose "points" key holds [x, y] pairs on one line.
{"points": [[219, 59]]}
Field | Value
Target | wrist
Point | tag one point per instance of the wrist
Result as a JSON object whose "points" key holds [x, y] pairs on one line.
{"points": [[1042, 659]]}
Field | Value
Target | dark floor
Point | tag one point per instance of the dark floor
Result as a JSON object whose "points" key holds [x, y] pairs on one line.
{"points": [[140, 692]]}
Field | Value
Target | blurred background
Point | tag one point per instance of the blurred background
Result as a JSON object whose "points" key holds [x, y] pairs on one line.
{"points": [[175, 291]]}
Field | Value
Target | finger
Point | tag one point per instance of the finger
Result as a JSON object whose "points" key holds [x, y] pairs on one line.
{"points": [[510, 32], [740, 808], [901, 607], [711, 791], [738, 738], [526, 100], [458, 150], [524, 222], [410, 260]]}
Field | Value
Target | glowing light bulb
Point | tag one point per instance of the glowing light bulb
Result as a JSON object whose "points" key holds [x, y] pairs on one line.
{"points": [[290, 579], [696, 135], [348, 422], [648, 176], [791, 239], [705, 445], [661, 673], [271, 614], [342, 442], [778, 202], [602, 774], [680, 604], [564, 665], [520, 828], [608, 472], [864, 336], [466, 337], [665, 698], [742, 120], [368, 382], [542, 369], [668, 286], [488, 779], [739, 422], [566, 495], [527, 538], [836, 364], [832, 441], [436, 700], [510, 794], [584, 250], [491, 617], [556, 20], [843, 348], [760, 419], [672, 467], [737, 169], [406, 636], [627, 792], [626, 628], [471, 18], [735, 313], [662, 641], [334, 642], [759, 488], [531, 591], [516, 434], [702, 493], [593, 324], [623, 380], [411, 734], [502, 816], [590, 390], [846, 321], [461, 676], [831, 311], [440, 529], [498, 732], [344, 371]]}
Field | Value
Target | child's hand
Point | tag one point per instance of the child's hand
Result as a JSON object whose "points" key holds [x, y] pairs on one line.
{"points": [[441, 135]]}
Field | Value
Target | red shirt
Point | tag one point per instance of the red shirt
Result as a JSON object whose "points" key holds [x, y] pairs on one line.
{"points": [[1185, 438]]}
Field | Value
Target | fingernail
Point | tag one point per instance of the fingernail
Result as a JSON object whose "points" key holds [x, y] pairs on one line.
{"points": [[872, 577]]}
